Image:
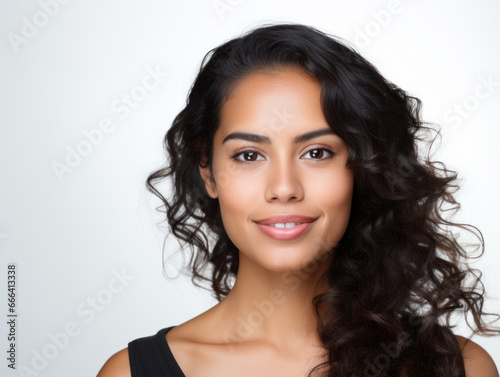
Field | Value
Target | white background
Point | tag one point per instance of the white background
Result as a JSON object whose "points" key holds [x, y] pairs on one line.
{"points": [[69, 236]]}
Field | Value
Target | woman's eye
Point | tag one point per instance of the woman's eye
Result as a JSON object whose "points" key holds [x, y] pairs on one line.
{"points": [[319, 153], [247, 156], [251, 155]]}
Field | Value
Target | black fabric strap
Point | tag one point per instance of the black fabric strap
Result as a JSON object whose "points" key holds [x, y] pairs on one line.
{"points": [[151, 356]]}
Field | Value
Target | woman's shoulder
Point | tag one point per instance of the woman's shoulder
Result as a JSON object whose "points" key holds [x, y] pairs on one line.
{"points": [[477, 362], [117, 365], [145, 348]]}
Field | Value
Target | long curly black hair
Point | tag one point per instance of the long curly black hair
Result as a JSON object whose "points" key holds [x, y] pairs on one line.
{"points": [[399, 270]]}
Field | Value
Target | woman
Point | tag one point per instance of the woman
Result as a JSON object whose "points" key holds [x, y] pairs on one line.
{"points": [[297, 183]]}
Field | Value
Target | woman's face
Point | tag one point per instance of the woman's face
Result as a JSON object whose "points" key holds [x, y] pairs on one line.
{"points": [[268, 162]]}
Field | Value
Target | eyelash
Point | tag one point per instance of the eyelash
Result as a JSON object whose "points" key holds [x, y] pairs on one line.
{"points": [[241, 151]]}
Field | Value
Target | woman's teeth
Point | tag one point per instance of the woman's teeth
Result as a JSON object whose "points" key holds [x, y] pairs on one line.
{"points": [[285, 225]]}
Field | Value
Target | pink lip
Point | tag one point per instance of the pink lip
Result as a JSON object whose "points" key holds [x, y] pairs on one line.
{"points": [[286, 219], [285, 233]]}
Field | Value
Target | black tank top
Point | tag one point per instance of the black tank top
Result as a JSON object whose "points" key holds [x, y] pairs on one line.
{"points": [[151, 357]]}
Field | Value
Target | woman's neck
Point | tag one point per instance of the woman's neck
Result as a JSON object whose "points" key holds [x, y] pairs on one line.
{"points": [[270, 306]]}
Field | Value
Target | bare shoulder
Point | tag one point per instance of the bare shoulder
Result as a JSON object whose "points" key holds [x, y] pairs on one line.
{"points": [[478, 362], [117, 365], [186, 342]]}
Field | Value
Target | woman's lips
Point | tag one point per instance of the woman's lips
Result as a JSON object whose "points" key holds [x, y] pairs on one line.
{"points": [[285, 233]]}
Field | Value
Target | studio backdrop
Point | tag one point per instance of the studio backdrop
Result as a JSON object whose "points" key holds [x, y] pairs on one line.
{"points": [[88, 90]]}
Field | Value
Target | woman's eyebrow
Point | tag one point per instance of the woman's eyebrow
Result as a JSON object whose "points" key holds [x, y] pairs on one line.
{"points": [[264, 139]]}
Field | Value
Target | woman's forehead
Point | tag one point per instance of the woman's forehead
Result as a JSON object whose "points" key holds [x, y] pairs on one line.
{"points": [[260, 101]]}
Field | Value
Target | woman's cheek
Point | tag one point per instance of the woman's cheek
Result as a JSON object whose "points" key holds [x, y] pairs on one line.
{"points": [[333, 187], [239, 195]]}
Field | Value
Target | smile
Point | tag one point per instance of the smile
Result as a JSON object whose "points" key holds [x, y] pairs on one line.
{"points": [[285, 231], [285, 225]]}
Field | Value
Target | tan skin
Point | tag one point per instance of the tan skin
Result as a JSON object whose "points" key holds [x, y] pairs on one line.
{"points": [[308, 178]]}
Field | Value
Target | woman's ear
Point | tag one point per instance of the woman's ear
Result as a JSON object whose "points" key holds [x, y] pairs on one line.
{"points": [[209, 183]]}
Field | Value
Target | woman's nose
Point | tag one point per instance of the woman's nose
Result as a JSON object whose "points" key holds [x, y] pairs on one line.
{"points": [[283, 182]]}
